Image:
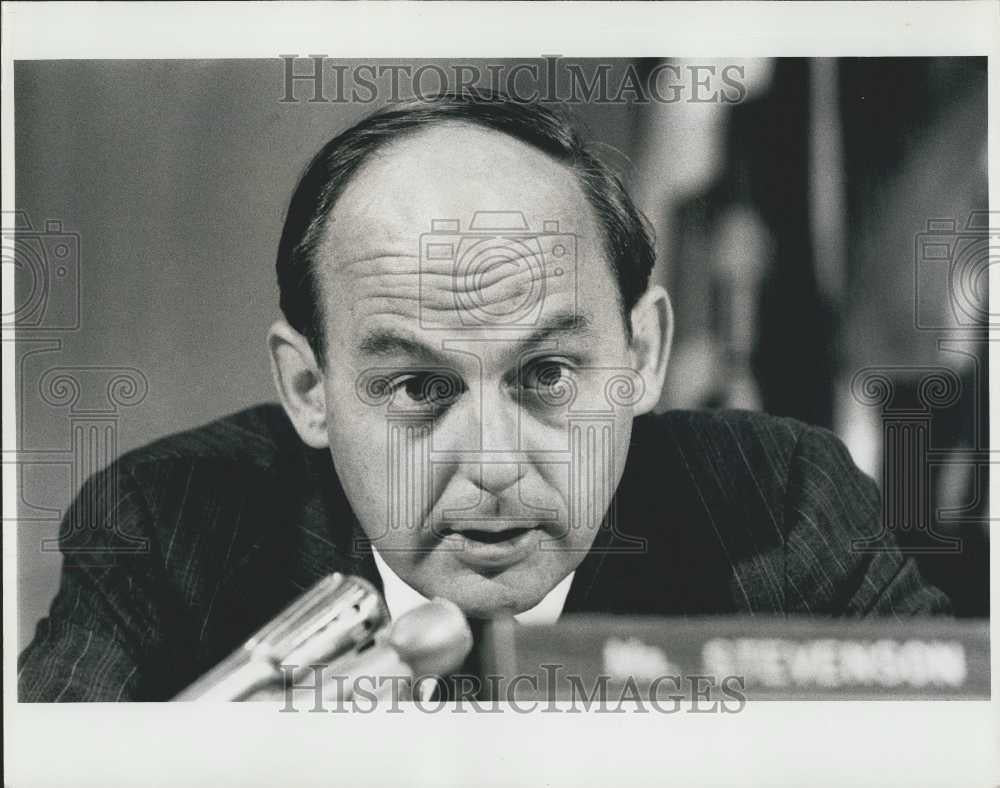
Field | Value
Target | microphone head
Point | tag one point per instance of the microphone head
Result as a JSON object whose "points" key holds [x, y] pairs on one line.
{"points": [[337, 617], [432, 639]]}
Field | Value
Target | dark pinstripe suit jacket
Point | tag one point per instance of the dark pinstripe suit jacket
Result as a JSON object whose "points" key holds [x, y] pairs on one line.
{"points": [[181, 549]]}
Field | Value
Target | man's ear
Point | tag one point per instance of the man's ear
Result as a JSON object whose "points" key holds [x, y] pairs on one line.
{"points": [[652, 335], [299, 380]]}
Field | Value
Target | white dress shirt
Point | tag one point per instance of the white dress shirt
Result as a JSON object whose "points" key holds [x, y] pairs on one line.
{"points": [[400, 597]]}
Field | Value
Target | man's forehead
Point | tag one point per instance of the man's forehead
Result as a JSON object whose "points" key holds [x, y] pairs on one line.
{"points": [[461, 229], [449, 173]]}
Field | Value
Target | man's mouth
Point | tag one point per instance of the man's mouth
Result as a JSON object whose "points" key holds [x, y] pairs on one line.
{"points": [[492, 548], [489, 537]]}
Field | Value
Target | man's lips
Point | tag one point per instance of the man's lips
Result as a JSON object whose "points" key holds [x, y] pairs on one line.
{"points": [[492, 545], [490, 535]]}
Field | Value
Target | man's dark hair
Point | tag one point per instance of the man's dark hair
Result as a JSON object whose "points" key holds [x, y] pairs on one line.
{"points": [[627, 241]]}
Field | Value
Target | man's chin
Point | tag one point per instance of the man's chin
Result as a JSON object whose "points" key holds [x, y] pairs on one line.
{"points": [[488, 596]]}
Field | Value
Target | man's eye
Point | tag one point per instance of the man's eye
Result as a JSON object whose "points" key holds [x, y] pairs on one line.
{"points": [[431, 389], [544, 375], [553, 381]]}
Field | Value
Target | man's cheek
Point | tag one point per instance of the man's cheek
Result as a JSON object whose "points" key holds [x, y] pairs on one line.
{"points": [[359, 457], [544, 492]]}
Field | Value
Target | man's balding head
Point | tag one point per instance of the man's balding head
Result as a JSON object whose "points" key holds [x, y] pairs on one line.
{"points": [[624, 236]]}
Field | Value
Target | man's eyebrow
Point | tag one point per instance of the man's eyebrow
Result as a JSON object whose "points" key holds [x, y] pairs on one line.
{"points": [[384, 342], [559, 323]]}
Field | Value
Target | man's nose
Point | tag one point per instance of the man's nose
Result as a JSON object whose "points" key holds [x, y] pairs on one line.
{"points": [[498, 468], [485, 437], [495, 477], [499, 424]]}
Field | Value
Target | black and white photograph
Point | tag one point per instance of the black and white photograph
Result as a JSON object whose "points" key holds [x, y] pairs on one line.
{"points": [[427, 401]]}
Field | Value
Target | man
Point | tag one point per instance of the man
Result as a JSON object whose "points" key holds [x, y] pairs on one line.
{"points": [[468, 365]]}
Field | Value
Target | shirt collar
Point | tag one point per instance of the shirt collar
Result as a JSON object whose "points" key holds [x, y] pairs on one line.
{"points": [[400, 597]]}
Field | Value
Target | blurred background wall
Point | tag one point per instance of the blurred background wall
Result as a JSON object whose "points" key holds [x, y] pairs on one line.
{"points": [[791, 224]]}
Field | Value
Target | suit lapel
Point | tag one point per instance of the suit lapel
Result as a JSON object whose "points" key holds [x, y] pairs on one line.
{"points": [[330, 536], [656, 555]]}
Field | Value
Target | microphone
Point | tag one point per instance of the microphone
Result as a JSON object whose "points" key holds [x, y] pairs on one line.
{"points": [[432, 639], [342, 622], [337, 617], [424, 643]]}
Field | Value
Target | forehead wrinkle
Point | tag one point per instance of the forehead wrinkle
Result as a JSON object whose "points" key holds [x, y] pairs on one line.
{"points": [[383, 262], [405, 305], [376, 282], [365, 281], [515, 289], [517, 272]]}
